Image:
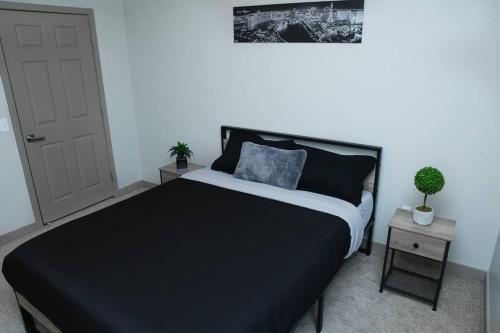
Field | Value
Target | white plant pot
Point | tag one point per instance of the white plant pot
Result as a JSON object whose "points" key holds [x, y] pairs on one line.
{"points": [[423, 218]]}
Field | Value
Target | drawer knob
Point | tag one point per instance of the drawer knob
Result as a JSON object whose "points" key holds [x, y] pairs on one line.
{"points": [[415, 245]]}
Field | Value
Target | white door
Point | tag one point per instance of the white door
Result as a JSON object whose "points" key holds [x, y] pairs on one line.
{"points": [[53, 76]]}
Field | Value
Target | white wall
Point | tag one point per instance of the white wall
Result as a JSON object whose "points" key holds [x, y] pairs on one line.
{"points": [[423, 84], [15, 206], [494, 291]]}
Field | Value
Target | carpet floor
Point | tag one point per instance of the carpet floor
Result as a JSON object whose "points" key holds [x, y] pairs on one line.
{"points": [[352, 301]]}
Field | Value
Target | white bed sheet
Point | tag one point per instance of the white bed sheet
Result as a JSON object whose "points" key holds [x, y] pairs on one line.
{"points": [[326, 204], [366, 207]]}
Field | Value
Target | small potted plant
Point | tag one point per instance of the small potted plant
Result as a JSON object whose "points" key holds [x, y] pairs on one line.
{"points": [[182, 152], [429, 181]]}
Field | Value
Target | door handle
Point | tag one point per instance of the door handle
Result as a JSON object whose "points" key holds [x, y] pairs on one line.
{"points": [[33, 138]]}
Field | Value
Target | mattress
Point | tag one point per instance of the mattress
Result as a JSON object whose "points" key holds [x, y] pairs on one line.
{"points": [[356, 217], [183, 257]]}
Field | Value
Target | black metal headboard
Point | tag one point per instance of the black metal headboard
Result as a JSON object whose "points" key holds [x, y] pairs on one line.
{"points": [[367, 243]]}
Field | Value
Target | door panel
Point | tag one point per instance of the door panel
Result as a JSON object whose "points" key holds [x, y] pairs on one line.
{"points": [[40, 91], [87, 161], [53, 75], [56, 170], [74, 87], [66, 36], [29, 35]]}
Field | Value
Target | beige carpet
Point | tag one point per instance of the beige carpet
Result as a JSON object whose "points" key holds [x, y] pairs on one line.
{"points": [[352, 304]]}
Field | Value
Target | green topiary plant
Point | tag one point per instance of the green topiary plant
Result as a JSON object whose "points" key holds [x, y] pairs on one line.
{"points": [[180, 150], [429, 181]]}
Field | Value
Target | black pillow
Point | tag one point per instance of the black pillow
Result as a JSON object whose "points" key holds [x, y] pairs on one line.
{"points": [[336, 175], [228, 161]]}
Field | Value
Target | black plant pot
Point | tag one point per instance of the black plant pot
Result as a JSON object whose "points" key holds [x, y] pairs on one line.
{"points": [[182, 163]]}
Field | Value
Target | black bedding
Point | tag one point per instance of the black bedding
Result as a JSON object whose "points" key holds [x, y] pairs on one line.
{"points": [[182, 257]]}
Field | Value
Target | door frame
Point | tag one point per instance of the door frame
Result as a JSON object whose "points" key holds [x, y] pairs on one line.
{"points": [[9, 93]]}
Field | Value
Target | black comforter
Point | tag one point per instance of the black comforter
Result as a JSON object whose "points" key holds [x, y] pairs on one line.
{"points": [[182, 257]]}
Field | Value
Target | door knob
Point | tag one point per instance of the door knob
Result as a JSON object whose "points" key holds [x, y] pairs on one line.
{"points": [[33, 138]]}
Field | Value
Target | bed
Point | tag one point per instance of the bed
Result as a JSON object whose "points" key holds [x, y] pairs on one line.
{"points": [[204, 253]]}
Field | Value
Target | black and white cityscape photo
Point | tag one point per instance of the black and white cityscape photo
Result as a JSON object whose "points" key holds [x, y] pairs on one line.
{"points": [[305, 22]]}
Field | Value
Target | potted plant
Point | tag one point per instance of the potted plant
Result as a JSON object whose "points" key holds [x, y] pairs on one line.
{"points": [[182, 152], [429, 181]]}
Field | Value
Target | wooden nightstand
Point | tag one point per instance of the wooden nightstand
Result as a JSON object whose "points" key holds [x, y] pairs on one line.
{"points": [[170, 172], [432, 242]]}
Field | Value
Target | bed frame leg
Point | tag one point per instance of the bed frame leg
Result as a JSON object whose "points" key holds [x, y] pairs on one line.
{"points": [[370, 239], [321, 306], [28, 321], [367, 248]]}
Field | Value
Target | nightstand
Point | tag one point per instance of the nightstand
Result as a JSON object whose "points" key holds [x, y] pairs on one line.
{"points": [[431, 242], [170, 172]]}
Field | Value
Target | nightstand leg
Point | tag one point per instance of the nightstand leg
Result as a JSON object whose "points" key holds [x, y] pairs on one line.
{"points": [[391, 263], [385, 259], [441, 276]]}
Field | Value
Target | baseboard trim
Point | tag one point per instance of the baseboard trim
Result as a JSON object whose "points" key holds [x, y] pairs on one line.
{"points": [[460, 270], [148, 185], [135, 186], [18, 233], [23, 231], [452, 268]]}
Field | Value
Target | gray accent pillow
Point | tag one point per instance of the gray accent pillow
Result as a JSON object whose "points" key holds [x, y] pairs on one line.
{"points": [[268, 165]]}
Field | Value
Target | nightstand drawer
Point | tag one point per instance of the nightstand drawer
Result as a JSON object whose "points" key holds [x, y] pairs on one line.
{"points": [[170, 172], [167, 176], [417, 244]]}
